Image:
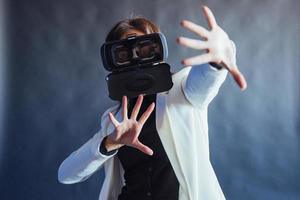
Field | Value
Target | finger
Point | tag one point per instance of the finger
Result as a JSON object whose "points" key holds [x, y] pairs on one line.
{"points": [[143, 148], [124, 107], [113, 119], [136, 107], [239, 78], [146, 114], [197, 60], [192, 43], [209, 17], [199, 30]]}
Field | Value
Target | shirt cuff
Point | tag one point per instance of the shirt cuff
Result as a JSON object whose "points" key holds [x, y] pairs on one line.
{"points": [[95, 146], [215, 66], [104, 151]]}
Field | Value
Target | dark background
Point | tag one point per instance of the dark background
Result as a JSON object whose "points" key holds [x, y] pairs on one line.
{"points": [[53, 92]]}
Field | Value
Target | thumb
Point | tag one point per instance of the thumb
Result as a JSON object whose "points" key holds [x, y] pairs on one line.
{"points": [[143, 148], [239, 78], [236, 74]]}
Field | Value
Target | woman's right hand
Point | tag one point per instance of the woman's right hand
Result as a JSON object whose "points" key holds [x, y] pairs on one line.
{"points": [[127, 131]]}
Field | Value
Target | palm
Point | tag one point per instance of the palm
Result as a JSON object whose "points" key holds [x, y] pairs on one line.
{"points": [[128, 130]]}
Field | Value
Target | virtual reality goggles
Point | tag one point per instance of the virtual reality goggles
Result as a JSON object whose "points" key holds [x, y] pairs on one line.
{"points": [[137, 66]]}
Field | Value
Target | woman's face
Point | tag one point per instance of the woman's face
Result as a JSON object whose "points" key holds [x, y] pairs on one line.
{"points": [[131, 32]]}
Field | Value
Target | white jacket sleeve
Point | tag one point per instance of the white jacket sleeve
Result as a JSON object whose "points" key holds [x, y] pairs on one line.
{"points": [[85, 161], [202, 84], [82, 163]]}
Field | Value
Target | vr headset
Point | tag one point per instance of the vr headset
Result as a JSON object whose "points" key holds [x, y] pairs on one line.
{"points": [[137, 66]]}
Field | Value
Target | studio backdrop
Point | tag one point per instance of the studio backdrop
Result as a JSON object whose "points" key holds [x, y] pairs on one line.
{"points": [[53, 92]]}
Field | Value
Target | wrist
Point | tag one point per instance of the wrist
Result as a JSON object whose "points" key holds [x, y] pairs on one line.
{"points": [[110, 144]]}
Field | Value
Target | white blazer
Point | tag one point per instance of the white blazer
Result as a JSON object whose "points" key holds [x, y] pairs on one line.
{"points": [[181, 122]]}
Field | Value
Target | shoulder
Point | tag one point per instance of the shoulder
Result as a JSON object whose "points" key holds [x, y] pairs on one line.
{"points": [[175, 94], [177, 79], [181, 74]]}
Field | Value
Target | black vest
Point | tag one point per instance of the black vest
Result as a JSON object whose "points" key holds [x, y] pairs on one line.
{"points": [[147, 177]]}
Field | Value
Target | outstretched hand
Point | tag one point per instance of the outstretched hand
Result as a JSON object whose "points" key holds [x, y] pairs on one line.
{"points": [[219, 48], [127, 131]]}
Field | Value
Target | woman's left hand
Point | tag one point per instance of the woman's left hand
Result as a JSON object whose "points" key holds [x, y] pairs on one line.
{"points": [[219, 48]]}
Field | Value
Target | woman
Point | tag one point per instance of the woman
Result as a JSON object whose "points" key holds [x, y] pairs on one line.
{"points": [[162, 155]]}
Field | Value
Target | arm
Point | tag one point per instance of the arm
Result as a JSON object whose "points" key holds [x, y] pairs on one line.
{"points": [[82, 163], [202, 84]]}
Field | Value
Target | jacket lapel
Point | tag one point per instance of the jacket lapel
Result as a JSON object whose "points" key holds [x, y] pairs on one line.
{"points": [[164, 129]]}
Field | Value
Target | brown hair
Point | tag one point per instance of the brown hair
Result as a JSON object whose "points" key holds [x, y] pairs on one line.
{"points": [[137, 23]]}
